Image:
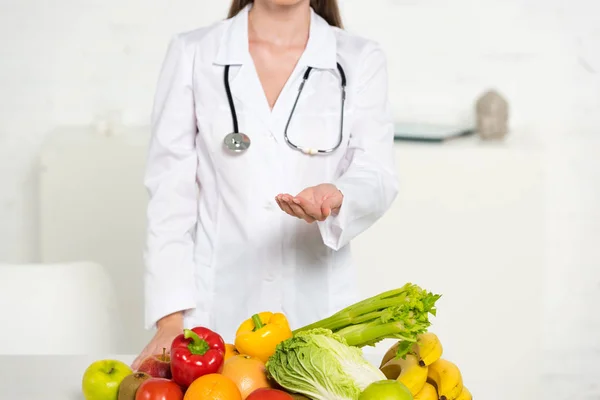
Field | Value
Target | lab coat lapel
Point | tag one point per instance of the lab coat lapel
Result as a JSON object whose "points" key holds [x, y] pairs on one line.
{"points": [[247, 90], [320, 54], [245, 85]]}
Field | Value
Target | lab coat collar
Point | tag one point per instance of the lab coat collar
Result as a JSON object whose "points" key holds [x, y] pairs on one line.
{"points": [[320, 52], [321, 49], [233, 49]]}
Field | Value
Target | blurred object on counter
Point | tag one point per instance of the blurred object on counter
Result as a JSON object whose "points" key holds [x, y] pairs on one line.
{"points": [[424, 132], [492, 116]]}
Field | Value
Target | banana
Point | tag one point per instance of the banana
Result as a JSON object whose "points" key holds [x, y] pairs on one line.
{"points": [[391, 353], [447, 379], [428, 348], [407, 371], [464, 395], [427, 393]]}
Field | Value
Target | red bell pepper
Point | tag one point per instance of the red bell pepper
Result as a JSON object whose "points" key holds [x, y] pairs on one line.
{"points": [[195, 353]]}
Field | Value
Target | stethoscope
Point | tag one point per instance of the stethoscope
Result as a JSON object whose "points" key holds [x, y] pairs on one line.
{"points": [[239, 142]]}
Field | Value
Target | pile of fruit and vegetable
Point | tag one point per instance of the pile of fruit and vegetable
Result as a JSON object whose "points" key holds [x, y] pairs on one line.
{"points": [[322, 361]]}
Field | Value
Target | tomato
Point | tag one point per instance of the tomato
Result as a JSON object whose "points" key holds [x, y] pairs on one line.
{"points": [[269, 394], [159, 389]]}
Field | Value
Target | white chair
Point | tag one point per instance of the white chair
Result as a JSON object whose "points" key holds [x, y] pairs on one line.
{"points": [[56, 309]]}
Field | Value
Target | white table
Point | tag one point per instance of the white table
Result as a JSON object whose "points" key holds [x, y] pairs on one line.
{"points": [[53, 377], [58, 377]]}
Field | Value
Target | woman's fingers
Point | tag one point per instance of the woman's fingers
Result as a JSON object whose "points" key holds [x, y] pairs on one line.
{"points": [[331, 205], [326, 207], [298, 211], [136, 363], [162, 339], [309, 208], [285, 207], [145, 353], [287, 204]]}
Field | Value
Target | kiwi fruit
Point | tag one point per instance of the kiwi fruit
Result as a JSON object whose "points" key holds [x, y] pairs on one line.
{"points": [[130, 385]]}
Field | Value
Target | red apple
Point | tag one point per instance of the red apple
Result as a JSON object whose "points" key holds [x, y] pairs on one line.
{"points": [[159, 389], [157, 365], [269, 394]]}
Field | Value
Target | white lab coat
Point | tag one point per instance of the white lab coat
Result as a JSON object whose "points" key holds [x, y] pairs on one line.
{"points": [[218, 246]]}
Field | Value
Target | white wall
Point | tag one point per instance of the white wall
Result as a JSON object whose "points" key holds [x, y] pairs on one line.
{"points": [[70, 62], [75, 62]]}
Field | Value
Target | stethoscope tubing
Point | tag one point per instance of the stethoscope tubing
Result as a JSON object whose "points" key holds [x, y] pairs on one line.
{"points": [[230, 100], [234, 146]]}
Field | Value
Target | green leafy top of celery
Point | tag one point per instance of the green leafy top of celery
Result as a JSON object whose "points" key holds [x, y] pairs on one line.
{"points": [[400, 314]]}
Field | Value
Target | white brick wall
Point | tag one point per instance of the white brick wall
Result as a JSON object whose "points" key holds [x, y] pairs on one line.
{"points": [[67, 61], [572, 342], [74, 62]]}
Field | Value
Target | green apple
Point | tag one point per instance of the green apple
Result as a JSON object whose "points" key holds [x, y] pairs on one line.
{"points": [[386, 390], [102, 378]]}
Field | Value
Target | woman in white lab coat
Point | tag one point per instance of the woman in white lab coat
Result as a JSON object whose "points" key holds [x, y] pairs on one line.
{"points": [[239, 224]]}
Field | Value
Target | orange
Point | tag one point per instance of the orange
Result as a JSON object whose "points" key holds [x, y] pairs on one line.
{"points": [[248, 373], [230, 351], [212, 387]]}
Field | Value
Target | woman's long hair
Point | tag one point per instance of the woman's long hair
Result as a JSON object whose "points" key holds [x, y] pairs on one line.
{"points": [[327, 9]]}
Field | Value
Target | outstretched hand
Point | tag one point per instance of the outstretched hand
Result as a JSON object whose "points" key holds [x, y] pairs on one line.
{"points": [[315, 203]]}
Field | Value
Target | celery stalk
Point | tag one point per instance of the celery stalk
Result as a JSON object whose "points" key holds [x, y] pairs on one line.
{"points": [[401, 314]]}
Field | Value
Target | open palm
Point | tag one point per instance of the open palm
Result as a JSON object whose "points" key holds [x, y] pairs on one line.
{"points": [[314, 203]]}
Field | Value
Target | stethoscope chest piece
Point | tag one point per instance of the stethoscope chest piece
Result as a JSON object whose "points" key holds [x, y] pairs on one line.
{"points": [[237, 142]]}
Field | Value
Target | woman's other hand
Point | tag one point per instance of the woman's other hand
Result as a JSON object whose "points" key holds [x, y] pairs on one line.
{"points": [[167, 329], [314, 203]]}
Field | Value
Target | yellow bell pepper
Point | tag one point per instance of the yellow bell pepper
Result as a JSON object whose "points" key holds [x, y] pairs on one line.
{"points": [[259, 336]]}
